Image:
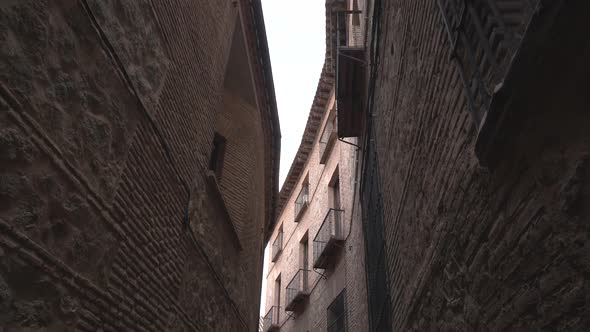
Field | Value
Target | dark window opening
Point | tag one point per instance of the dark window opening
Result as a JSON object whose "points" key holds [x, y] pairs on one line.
{"points": [[337, 313], [216, 160], [337, 206], [304, 251], [278, 291]]}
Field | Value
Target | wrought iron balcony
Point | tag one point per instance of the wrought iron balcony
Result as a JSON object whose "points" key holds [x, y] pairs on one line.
{"points": [[328, 138], [301, 202], [484, 36], [297, 291], [277, 246], [271, 320], [329, 239]]}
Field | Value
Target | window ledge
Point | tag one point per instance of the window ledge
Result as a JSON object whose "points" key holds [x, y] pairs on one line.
{"points": [[215, 189]]}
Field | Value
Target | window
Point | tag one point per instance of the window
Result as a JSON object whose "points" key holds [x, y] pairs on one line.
{"points": [[328, 137], [334, 192], [304, 258], [277, 245], [337, 313], [302, 199], [216, 160], [336, 204], [278, 291]]}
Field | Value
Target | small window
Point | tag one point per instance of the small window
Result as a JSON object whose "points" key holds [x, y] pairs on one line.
{"points": [[337, 313], [336, 206], [328, 137], [277, 245], [216, 160], [302, 199], [278, 291], [304, 260], [334, 192]]}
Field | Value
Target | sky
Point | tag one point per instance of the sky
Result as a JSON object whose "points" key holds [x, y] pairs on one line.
{"points": [[296, 40]]}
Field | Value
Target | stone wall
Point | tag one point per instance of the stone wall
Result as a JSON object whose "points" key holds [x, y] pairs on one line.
{"points": [[470, 248], [108, 217]]}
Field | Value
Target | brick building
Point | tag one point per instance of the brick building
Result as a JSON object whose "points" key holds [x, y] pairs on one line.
{"points": [[316, 278], [476, 164], [139, 146]]}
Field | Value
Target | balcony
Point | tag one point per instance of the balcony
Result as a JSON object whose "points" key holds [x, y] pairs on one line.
{"points": [[301, 202], [297, 291], [495, 45], [329, 238], [277, 246], [328, 138], [271, 320]]}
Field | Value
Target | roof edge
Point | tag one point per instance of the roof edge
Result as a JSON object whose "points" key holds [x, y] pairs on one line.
{"points": [[253, 8]]}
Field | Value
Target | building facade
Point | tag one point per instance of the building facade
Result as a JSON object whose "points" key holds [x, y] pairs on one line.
{"points": [[475, 181], [316, 278], [139, 146]]}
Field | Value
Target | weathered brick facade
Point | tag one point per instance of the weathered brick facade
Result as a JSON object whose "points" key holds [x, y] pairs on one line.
{"points": [[319, 165], [110, 218], [502, 247], [346, 270]]}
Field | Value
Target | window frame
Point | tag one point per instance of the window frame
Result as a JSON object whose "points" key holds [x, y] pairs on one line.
{"points": [[331, 323], [300, 207]]}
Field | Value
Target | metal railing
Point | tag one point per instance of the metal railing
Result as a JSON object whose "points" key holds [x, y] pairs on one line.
{"points": [[484, 35], [328, 138], [331, 231], [297, 290], [301, 201], [271, 319], [277, 246]]}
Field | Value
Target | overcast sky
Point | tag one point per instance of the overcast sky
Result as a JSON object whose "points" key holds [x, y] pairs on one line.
{"points": [[296, 39]]}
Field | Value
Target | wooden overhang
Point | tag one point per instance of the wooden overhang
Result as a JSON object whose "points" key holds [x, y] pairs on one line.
{"points": [[350, 83]]}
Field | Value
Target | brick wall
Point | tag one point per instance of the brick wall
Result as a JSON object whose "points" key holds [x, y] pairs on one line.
{"points": [[347, 271], [108, 111], [470, 248]]}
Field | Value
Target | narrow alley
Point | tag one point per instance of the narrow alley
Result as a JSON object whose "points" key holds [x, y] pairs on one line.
{"points": [[441, 181]]}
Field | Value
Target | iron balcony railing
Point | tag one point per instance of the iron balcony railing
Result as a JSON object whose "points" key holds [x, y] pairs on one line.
{"points": [[301, 202], [297, 291], [484, 35], [328, 239], [328, 138], [271, 320], [277, 246]]}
